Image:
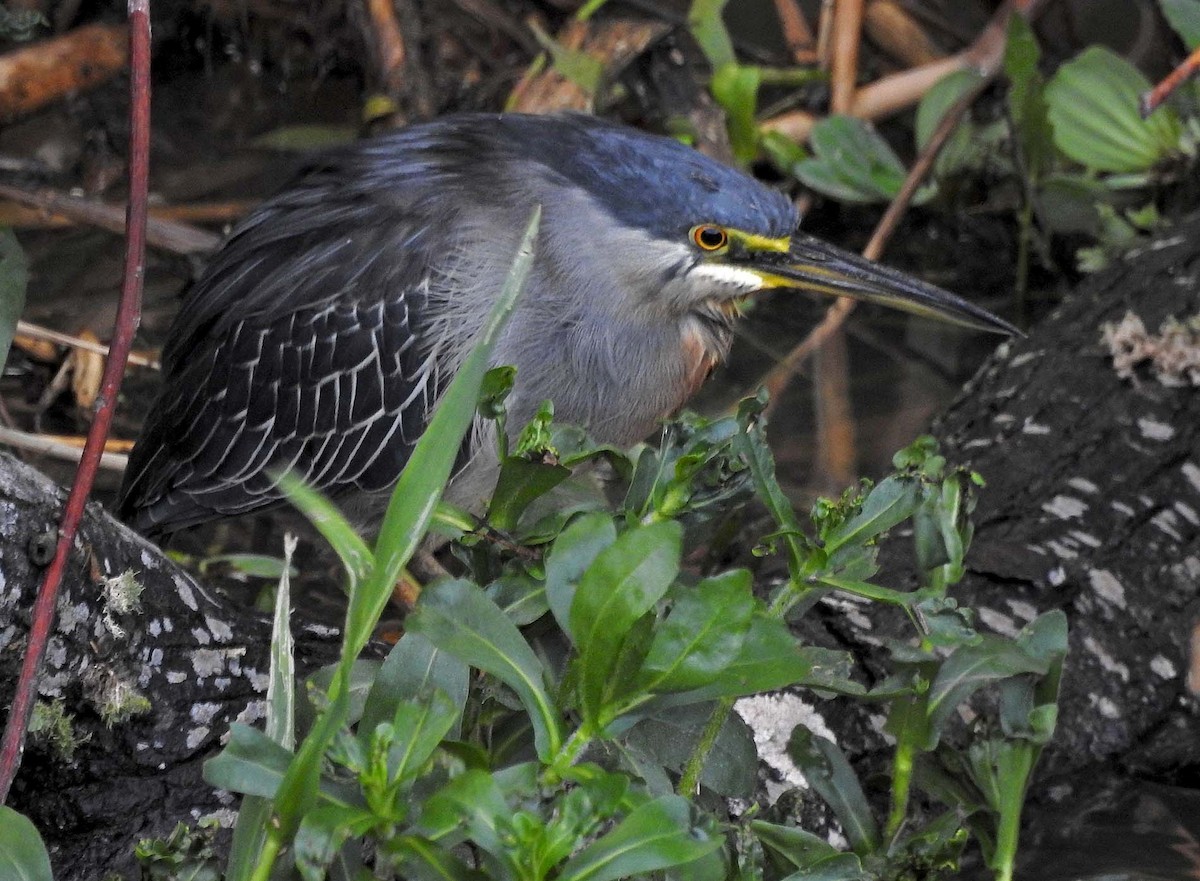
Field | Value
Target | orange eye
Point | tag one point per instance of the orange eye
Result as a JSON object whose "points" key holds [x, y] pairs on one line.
{"points": [[709, 237]]}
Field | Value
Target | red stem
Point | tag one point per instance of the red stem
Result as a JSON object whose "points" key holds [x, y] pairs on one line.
{"points": [[128, 312]]}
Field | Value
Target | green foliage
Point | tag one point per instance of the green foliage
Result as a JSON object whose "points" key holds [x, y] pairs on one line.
{"points": [[576, 748], [23, 857], [14, 278], [852, 163], [1092, 103], [1184, 17]]}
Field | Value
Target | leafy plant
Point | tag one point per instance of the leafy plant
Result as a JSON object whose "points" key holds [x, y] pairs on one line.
{"points": [[23, 857], [14, 277]]}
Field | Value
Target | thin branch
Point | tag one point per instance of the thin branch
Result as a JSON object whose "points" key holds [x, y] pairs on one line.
{"points": [[777, 379], [1153, 99], [42, 621], [847, 36], [37, 332], [797, 35], [64, 449]]}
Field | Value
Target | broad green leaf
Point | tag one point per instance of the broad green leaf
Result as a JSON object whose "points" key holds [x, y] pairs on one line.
{"points": [[359, 684], [1026, 97], [702, 634], [322, 833], [655, 836], [419, 726], [771, 659], [851, 162], [623, 583], [890, 502], [1092, 103], [793, 844], [253, 764], [958, 152], [970, 667], [521, 482], [827, 771], [457, 617], [473, 797], [14, 279], [670, 737], [422, 860], [573, 552], [521, 597], [708, 29], [1184, 17], [23, 856], [415, 665], [840, 867]]}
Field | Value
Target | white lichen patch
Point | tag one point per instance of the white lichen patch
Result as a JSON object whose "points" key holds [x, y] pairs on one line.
{"points": [[1104, 706], [252, 712], [1065, 507], [1161, 665], [1057, 576], [211, 662], [203, 713], [1191, 473], [1031, 427], [977, 443], [1168, 522], [997, 621], [1023, 359], [201, 636], [771, 718], [224, 818], [1106, 660], [1187, 512], [175, 677], [148, 560], [1083, 485], [187, 595], [1154, 430], [1061, 550], [221, 631], [1173, 353], [154, 628], [1085, 538], [1022, 609], [70, 616], [321, 630], [1107, 587], [197, 736], [1122, 508]]}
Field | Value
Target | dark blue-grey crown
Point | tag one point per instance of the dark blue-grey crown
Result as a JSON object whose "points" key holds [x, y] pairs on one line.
{"points": [[645, 181]]}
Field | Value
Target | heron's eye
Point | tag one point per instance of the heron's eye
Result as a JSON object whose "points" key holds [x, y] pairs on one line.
{"points": [[709, 238]]}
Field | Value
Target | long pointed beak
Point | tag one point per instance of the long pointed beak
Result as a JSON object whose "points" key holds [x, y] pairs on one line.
{"points": [[813, 265]]}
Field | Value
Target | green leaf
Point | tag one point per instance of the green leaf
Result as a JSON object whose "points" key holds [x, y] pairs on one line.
{"points": [[303, 138], [670, 737], [827, 771], [14, 279], [521, 482], [322, 833], [1184, 17], [958, 153], [1026, 97], [419, 726], [358, 686], [793, 844], [413, 666], [852, 163], [23, 856], [624, 582], [578, 66], [251, 565], [708, 29], [840, 867], [457, 617], [702, 634], [891, 502], [970, 667], [1093, 106], [655, 836], [521, 597], [356, 557], [574, 551], [254, 814], [253, 764]]}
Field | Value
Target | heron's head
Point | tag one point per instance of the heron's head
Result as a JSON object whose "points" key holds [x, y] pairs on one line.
{"points": [[684, 233]]}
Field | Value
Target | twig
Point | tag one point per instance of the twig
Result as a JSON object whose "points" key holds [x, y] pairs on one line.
{"points": [[37, 332], [63, 448], [39, 74], [178, 238], [26, 217], [776, 379], [825, 34], [1153, 99], [12, 744], [843, 71], [797, 35], [896, 32]]}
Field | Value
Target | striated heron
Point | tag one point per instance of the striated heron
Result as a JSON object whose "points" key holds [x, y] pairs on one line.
{"points": [[320, 336]]}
